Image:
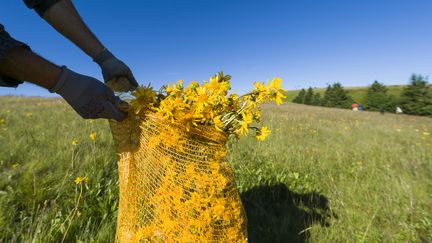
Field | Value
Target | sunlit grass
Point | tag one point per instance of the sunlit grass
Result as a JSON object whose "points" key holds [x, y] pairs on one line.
{"points": [[323, 175]]}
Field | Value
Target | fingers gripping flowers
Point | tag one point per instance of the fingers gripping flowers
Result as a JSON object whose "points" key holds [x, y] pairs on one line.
{"points": [[210, 104]]}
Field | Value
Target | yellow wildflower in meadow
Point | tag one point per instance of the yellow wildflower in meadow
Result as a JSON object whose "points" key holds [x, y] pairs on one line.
{"points": [[74, 142], [80, 180], [263, 133], [93, 136]]}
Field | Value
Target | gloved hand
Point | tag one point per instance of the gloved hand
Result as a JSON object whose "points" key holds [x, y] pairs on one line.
{"points": [[113, 70], [89, 97]]}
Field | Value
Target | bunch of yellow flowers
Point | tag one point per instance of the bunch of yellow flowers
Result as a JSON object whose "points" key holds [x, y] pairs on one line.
{"points": [[195, 207], [210, 104]]}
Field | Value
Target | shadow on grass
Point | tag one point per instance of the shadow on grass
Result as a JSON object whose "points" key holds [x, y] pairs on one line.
{"points": [[276, 214]]}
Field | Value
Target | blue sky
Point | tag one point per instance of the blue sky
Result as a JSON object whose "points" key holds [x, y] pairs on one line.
{"points": [[305, 42]]}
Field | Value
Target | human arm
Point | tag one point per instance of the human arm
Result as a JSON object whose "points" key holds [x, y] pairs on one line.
{"points": [[90, 98], [62, 15]]}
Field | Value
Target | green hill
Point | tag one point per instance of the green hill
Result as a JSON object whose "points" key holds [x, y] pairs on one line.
{"points": [[358, 93]]}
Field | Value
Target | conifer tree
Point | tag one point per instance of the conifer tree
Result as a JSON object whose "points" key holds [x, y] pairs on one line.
{"points": [[377, 98], [336, 96], [309, 96], [316, 99], [416, 97], [300, 98]]}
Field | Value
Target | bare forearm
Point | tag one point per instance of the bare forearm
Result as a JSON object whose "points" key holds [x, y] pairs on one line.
{"points": [[22, 64], [66, 20]]}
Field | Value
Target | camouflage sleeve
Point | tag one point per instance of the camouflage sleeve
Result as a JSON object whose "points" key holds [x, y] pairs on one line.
{"points": [[40, 6], [7, 42]]}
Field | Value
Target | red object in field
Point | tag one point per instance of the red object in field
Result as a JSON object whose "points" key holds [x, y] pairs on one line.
{"points": [[355, 105]]}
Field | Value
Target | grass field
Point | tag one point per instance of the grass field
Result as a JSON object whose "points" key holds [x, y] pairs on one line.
{"points": [[357, 93], [324, 175]]}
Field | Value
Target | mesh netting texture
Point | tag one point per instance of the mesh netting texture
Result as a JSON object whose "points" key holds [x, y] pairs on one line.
{"points": [[175, 185]]}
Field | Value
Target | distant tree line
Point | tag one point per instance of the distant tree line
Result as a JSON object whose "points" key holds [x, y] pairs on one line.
{"points": [[415, 99]]}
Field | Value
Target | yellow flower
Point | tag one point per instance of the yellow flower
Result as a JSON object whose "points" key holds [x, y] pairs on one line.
{"points": [[257, 115], [218, 123], [426, 134], [243, 130], [260, 87], [194, 84], [247, 117], [174, 89], [279, 98], [29, 114], [93, 136], [276, 91], [2, 121], [74, 142], [214, 83], [144, 98], [208, 104], [15, 166], [275, 83], [202, 96], [190, 119], [207, 115], [262, 134], [81, 180]]}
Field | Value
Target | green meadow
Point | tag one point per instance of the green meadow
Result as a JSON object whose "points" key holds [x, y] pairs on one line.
{"points": [[323, 175]]}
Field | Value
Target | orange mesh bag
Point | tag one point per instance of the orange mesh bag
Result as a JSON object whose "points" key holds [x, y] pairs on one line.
{"points": [[175, 184]]}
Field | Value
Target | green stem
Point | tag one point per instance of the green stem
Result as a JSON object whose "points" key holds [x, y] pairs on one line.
{"points": [[73, 213]]}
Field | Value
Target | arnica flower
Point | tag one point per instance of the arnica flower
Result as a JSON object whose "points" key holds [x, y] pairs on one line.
{"points": [[260, 87], [426, 134], [80, 180], [175, 89], [262, 134], [144, 98], [276, 90], [93, 136], [247, 118], [218, 123], [74, 142], [209, 104], [2, 121]]}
